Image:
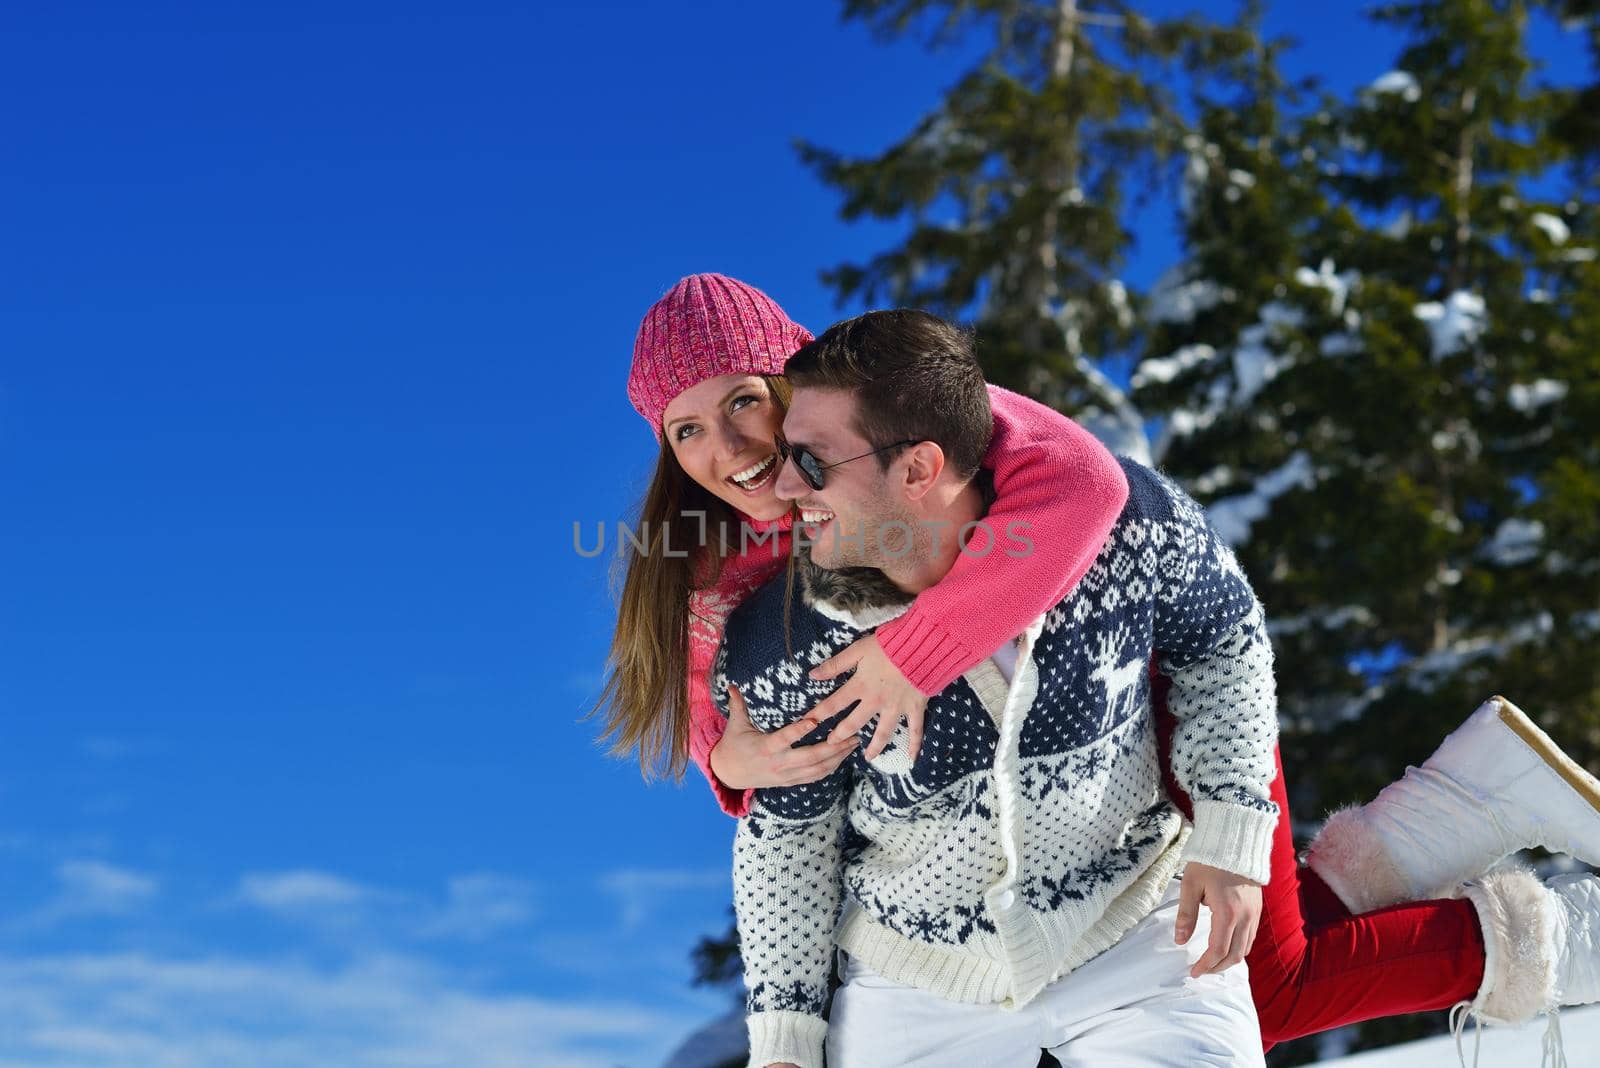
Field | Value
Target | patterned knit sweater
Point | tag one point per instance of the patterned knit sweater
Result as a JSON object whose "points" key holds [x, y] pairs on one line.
{"points": [[1049, 472], [1033, 830]]}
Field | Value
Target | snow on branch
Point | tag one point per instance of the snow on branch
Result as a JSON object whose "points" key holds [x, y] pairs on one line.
{"points": [[1177, 299], [1426, 672], [1527, 398], [1163, 369], [1337, 284], [1553, 228], [1454, 323], [1515, 541], [1396, 83], [1329, 620], [1233, 516]]}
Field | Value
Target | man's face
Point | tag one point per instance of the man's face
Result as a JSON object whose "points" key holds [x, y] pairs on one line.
{"points": [[858, 518]]}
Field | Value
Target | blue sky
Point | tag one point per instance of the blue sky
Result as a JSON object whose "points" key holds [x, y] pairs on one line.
{"points": [[314, 323]]}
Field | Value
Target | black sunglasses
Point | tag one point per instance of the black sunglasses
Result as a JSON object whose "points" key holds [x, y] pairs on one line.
{"points": [[811, 468]]}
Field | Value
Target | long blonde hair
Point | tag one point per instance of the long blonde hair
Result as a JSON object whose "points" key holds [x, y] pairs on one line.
{"points": [[645, 700]]}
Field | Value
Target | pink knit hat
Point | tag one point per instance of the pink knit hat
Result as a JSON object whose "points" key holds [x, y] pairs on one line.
{"points": [[707, 325]]}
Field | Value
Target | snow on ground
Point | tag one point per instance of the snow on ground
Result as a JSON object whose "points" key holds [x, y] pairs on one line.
{"points": [[1512, 1048]]}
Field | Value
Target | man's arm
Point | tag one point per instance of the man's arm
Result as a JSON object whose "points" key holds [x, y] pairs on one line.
{"points": [[1211, 635], [787, 890], [1227, 711], [1213, 645], [788, 875]]}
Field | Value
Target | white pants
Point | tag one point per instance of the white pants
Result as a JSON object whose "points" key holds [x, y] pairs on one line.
{"points": [[1134, 1004]]}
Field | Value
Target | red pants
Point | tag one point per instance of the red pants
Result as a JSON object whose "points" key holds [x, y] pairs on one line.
{"points": [[1314, 966]]}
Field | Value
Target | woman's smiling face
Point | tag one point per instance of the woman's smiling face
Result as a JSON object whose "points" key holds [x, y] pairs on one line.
{"points": [[722, 433]]}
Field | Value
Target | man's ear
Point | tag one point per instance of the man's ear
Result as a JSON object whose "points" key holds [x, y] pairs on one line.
{"points": [[924, 464]]}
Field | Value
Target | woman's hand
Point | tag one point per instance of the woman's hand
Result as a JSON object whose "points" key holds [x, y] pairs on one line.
{"points": [[882, 691], [750, 759]]}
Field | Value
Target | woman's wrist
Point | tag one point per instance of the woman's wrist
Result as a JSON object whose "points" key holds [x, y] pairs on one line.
{"points": [[719, 772]]}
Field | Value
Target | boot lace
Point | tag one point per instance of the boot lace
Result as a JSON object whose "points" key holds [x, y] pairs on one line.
{"points": [[1555, 1051], [1459, 1015]]}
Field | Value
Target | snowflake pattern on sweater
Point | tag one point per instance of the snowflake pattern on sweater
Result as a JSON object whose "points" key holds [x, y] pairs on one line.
{"points": [[1032, 830]]}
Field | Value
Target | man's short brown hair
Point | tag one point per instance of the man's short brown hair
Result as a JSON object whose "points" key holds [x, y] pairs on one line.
{"points": [[913, 376]]}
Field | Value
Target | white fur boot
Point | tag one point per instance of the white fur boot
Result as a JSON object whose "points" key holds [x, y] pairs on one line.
{"points": [[1541, 952], [1496, 785], [1520, 922], [1577, 938]]}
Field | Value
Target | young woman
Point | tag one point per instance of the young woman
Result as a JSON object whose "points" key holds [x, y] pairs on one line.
{"points": [[1345, 939]]}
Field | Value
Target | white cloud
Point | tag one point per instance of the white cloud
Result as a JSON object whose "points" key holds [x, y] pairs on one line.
{"points": [[302, 890], [480, 905], [379, 1011], [373, 976], [93, 886], [89, 888], [475, 906], [640, 890], [97, 886]]}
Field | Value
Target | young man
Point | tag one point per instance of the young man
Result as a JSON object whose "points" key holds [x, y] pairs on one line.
{"points": [[1012, 890]]}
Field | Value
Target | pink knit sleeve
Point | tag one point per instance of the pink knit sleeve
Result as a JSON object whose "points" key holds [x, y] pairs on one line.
{"points": [[705, 731], [706, 722], [1050, 474]]}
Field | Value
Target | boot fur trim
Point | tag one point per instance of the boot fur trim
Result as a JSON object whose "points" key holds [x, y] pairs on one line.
{"points": [[1351, 859], [1519, 951]]}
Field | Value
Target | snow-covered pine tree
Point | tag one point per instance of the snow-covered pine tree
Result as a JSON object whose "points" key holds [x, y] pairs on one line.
{"points": [[1378, 366], [1570, 459], [1017, 185]]}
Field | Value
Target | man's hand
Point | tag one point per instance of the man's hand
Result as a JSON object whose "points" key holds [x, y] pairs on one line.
{"points": [[749, 759], [1235, 904], [882, 691]]}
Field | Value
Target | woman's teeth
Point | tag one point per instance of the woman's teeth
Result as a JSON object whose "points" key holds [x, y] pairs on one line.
{"points": [[755, 476], [811, 515]]}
